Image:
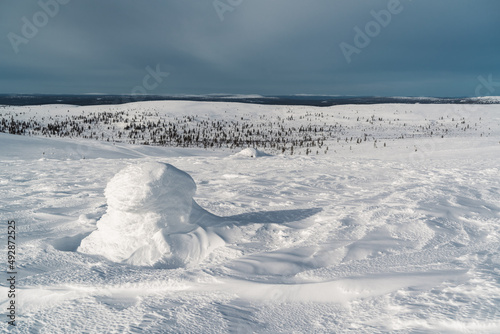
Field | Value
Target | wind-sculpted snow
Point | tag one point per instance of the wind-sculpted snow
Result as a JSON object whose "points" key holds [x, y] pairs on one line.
{"points": [[251, 152], [148, 221], [403, 238]]}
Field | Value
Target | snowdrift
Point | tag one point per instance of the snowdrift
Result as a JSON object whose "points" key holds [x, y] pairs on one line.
{"points": [[251, 152], [152, 219]]}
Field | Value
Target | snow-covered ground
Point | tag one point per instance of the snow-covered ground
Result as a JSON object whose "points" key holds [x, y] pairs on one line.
{"points": [[363, 238]]}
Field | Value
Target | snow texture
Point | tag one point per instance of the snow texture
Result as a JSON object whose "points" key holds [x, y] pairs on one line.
{"points": [[250, 152], [148, 219], [398, 233]]}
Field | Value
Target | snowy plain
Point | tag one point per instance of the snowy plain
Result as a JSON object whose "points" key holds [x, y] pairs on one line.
{"points": [[397, 235]]}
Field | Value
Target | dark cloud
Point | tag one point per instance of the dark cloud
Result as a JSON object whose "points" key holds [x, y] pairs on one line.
{"points": [[267, 47]]}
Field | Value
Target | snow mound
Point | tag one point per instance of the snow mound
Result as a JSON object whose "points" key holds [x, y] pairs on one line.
{"points": [[250, 152], [149, 220]]}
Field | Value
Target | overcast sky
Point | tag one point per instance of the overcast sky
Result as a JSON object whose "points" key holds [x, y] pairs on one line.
{"points": [[267, 47]]}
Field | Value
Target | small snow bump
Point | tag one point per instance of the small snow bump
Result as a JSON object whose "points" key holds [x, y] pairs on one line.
{"points": [[250, 152]]}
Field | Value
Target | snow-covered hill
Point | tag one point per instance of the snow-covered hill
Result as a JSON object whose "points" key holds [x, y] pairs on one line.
{"points": [[275, 129], [402, 237]]}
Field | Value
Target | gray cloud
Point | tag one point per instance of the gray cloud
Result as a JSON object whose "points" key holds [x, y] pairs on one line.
{"points": [[267, 47]]}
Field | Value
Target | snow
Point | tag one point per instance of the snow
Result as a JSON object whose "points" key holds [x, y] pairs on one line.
{"points": [[250, 152], [148, 223], [488, 99], [365, 238]]}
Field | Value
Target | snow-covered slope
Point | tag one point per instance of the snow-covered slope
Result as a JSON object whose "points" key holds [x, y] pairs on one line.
{"points": [[287, 130], [400, 238]]}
